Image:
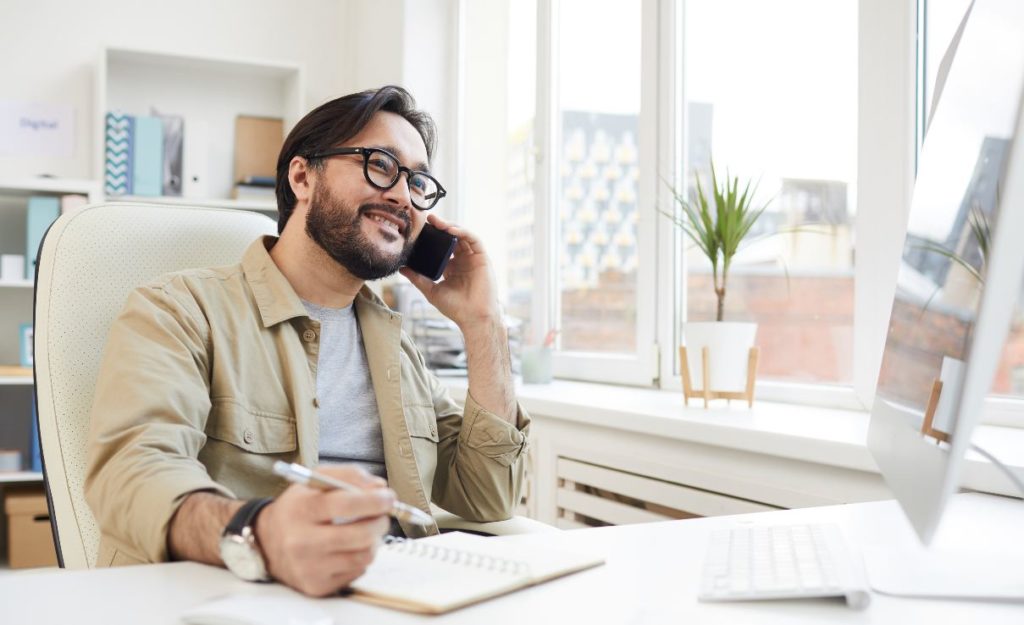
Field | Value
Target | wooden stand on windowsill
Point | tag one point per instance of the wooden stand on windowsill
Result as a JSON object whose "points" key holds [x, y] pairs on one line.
{"points": [[929, 415], [707, 393]]}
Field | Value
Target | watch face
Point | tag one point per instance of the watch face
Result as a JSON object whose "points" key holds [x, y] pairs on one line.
{"points": [[241, 558]]}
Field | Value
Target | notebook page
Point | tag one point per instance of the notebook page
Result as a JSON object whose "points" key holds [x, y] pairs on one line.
{"points": [[421, 577], [442, 573], [543, 563]]}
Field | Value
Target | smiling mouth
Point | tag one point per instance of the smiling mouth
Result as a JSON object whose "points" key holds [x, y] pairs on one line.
{"points": [[391, 225]]}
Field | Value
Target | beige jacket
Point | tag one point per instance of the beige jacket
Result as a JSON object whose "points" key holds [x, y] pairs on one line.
{"points": [[209, 376]]}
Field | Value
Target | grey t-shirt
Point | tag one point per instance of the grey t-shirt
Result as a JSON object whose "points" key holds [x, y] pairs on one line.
{"points": [[349, 420]]}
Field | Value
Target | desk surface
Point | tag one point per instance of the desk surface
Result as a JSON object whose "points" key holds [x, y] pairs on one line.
{"points": [[651, 576]]}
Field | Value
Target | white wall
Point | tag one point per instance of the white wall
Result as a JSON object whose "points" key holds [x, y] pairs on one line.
{"points": [[48, 50], [413, 44]]}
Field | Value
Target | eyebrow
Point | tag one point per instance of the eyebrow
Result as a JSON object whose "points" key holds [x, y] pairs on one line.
{"points": [[421, 166]]}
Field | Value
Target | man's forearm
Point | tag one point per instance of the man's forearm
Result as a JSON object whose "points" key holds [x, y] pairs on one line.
{"points": [[490, 368], [197, 525]]}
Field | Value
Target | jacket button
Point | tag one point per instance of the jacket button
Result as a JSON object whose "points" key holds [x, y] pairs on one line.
{"points": [[316, 402], [309, 336], [433, 430], [248, 437]]}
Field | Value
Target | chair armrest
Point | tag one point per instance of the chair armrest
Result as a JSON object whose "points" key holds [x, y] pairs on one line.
{"points": [[516, 525]]}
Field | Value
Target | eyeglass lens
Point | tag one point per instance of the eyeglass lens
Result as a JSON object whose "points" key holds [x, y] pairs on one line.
{"points": [[383, 171]]}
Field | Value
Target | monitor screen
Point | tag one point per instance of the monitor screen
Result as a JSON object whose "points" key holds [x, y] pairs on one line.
{"points": [[949, 310]]}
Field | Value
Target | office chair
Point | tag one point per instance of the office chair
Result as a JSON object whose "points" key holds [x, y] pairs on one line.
{"points": [[88, 263]]}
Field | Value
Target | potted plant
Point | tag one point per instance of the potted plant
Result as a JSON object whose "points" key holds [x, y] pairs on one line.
{"points": [[718, 358]]}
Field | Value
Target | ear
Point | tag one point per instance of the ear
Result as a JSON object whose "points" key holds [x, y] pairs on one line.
{"points": [[301, 178]]}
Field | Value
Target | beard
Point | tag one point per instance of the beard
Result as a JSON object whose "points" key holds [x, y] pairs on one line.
{"points": [[338, 230]]}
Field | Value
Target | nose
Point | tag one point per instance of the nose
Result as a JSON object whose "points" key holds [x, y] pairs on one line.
{"points": [[399, 192]]}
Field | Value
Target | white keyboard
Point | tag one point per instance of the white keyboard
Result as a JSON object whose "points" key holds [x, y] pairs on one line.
{"points": [[781, 562]]}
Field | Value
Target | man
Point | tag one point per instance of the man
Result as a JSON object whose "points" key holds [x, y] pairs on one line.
{"points": [[211, 375]]}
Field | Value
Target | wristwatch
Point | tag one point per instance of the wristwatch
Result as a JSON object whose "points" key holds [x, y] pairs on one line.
{"points": [[238, 547]]}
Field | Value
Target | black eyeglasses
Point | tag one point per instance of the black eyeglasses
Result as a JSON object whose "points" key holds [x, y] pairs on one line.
{"points": [[382, 170]]}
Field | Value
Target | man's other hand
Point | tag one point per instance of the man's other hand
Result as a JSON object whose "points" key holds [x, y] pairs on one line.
{"points": [[318, 541]]}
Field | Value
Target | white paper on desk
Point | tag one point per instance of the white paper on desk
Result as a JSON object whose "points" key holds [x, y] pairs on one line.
{"points": [[36, 129]]}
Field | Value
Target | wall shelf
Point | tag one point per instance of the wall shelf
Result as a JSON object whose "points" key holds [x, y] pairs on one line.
{"points": [[20, 477], [208, 93], [25, 187]]}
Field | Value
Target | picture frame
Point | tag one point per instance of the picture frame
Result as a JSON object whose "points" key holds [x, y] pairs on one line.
{"points": [[26, 333]]}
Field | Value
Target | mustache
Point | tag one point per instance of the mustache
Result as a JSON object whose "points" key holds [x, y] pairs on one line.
{"points": [[391, 210]]}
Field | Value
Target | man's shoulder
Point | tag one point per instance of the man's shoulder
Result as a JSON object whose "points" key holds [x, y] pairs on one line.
{"points": [[201, 284]]}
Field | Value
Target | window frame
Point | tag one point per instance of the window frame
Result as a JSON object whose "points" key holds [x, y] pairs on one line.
{"points": [[887, 142]]}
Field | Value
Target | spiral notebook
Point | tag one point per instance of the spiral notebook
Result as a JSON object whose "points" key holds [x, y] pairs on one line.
{"points": [[442, 573]]}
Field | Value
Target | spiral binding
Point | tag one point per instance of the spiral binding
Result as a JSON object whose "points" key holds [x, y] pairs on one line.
{"points": [[460, 557]]}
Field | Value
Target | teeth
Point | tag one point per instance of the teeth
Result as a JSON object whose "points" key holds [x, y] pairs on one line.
{"points": [[390, 224]]}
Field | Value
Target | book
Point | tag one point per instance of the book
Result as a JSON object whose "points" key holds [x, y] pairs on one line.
{"points": [[259, 181], [148, 157], [41, 212], [442, 573], [253, 192], [35, 453]]}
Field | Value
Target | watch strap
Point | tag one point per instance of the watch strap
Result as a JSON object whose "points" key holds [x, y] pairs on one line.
{"points": [[246, 515]]}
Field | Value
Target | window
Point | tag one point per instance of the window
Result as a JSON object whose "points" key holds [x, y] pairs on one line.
{"points": [[781, 110], [595, 115], [568, 233]]}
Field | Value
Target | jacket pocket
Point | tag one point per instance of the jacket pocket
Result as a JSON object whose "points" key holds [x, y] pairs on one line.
{"points": [[421, 421], [260, 433]]}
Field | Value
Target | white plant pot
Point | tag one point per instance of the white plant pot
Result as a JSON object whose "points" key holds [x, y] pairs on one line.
{"points": [[728, 344], [952, 377]]}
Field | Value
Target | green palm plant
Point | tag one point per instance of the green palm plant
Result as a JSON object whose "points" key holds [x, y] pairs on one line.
{"points": [[718, 224]]}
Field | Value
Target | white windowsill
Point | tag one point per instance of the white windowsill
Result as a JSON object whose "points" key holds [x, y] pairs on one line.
{"points": [[826, 436]]}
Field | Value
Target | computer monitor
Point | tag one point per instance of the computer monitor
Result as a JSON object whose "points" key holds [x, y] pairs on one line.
{"points": [[960, 275]]}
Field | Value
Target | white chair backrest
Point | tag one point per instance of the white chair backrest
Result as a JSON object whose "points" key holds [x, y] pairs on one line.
{"points": [[88, 263]]}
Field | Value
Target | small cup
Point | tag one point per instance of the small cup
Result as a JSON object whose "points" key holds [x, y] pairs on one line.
{"points": [[536, 365]]}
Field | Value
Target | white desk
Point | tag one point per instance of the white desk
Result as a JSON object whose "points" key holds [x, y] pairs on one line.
{"points": [[651, 577]]}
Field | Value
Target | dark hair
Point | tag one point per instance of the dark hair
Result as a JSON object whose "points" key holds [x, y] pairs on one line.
{"points": [[337, 121]]}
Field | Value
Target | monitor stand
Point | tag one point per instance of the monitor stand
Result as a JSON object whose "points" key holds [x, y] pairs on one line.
{"points": [[944, 574], [976, 552]]}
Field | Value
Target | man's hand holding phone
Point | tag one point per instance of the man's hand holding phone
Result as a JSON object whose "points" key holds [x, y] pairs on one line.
{"points": [[468, 293]]}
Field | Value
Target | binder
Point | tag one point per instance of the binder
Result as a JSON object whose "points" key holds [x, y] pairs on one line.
{"points": [[195, 159], [147, 157], [41, 212], [173, 138], [118, 154]]}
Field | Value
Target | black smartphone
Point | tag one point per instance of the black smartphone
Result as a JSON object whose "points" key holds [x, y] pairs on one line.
{"points": [[431, 252]]}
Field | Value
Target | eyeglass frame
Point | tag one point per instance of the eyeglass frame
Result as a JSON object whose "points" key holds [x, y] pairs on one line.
{"points": [[366, 152]]}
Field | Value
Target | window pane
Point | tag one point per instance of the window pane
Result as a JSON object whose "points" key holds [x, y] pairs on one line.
{"points": [[771, 95], [599, 107], [940, 22]]}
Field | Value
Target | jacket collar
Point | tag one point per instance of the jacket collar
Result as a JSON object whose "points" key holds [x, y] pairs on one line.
{"points": [[277, 300]]}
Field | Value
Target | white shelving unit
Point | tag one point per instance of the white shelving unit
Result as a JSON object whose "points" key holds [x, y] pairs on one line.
{"points": [[205, 91], [16, 297]]}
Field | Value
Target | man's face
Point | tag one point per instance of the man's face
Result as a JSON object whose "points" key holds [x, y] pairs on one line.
{"points": [[368, 231]]}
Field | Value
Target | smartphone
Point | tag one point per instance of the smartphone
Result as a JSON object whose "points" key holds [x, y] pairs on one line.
{"points": [[431, 252]]}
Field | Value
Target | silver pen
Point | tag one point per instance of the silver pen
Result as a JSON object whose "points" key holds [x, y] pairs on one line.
{"points": [[301, 475]]}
